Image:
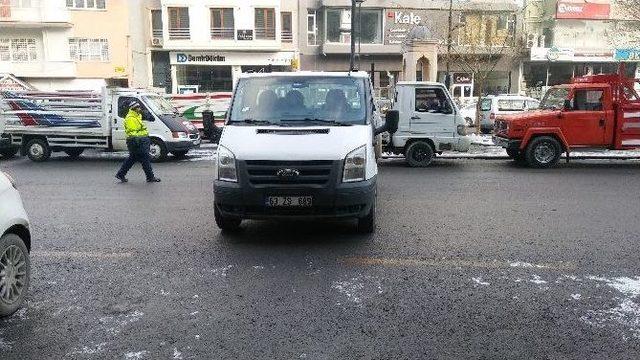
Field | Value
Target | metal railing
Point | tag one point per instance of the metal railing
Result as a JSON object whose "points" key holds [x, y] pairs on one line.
{"points": [[286, 36], [222, 33], [265, 33], [179, 33]]}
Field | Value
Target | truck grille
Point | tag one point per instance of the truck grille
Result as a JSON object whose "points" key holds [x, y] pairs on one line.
{"points": [[266, 172]]}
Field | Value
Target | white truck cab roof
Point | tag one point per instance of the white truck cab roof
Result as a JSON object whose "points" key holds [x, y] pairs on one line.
{"points": [[356, 74], [419, 83]]}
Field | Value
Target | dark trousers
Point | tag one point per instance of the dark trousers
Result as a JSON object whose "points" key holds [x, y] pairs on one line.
{"points": [[138, 152]]}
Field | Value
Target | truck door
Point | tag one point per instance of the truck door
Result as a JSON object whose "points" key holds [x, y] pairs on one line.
{"points": [[432, 112], [119, 137], [584, 122]]}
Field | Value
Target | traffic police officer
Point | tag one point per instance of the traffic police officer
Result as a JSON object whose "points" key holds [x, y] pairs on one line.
{"points": [[138, 143]]}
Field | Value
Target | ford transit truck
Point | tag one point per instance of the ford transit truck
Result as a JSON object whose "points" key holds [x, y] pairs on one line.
{"points": [[592, 112], [299, 145], [39, 123]]}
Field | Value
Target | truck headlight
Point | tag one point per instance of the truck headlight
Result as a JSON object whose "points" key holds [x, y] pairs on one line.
{"points": [[226, 164], [355, 165]]}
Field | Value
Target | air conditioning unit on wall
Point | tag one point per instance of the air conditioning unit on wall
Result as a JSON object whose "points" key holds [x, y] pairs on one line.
{"points": [[156, 41]]}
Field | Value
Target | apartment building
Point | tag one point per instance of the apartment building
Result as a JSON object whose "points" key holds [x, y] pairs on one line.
{"points": [[568, 38], [484, 41], [203, 45], [65, 44]]}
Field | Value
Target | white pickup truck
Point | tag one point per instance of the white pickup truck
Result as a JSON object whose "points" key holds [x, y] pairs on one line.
{"points": [[429, 123], [39, 123]]}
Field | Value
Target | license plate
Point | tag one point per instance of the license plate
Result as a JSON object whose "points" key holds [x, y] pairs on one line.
{"points": [[289, 201]]}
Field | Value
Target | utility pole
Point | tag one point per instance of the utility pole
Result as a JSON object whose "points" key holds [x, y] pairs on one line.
{"points": [[352, 60], [447, 77]]}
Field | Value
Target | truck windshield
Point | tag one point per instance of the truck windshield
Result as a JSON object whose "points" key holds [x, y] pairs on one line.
{"points": [[554, 99], [297, 100], [158, 105]]}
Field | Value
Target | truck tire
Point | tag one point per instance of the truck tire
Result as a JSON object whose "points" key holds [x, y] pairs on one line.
{"points": [[157, 150], [74, 153], [15, 271], [543, 152], [419, 154], [8, 153], [38, 150], [226, 223], [367, 224]]}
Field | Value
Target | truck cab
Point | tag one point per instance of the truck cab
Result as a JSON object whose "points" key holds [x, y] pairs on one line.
{"points": [[299, 145], [429, 123], [596, 111]]}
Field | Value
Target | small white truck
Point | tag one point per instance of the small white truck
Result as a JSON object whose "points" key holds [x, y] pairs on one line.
{"points": [[39, 123], [429, 123]]}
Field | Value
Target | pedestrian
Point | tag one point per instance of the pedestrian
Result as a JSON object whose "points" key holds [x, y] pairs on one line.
{"points": [[138, 143]]}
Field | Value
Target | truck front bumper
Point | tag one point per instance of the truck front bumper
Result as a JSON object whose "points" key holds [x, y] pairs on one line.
{"points": [[508, 144], [344, 200]]}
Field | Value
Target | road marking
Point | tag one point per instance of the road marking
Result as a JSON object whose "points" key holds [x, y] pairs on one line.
{"points": [[81, 254], [452, 263]]}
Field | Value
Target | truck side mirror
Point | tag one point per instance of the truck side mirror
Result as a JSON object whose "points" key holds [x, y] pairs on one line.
{"points": [[392, 118]]}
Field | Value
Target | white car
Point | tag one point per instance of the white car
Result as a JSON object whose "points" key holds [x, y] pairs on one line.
{"points": [[15, 244], [468, 112], [493, 106]]}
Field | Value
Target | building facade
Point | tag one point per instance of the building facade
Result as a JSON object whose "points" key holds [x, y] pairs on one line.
{"points": [[65, 44], [483, 43], [567, 38], [203, 45]]}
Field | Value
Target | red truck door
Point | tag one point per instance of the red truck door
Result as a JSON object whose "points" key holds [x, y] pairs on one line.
{"points": [[585, 122]]}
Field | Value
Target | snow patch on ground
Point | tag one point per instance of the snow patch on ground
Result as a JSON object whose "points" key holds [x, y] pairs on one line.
{"points": [[576, 296], [135, 355], [537, 280], [90, 350], [481, 139], [177, 354], [628, 286], [358, 289], [478, 280], [526, 265], [222, 271], [115, 324]]}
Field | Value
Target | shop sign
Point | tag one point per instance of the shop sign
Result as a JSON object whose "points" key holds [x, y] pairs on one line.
{"points": [[627, 55], [582, 10], [571, 55], [402, 17], [244, 35], [119, 69], [282, 58], [187, 58], [462, 78]]}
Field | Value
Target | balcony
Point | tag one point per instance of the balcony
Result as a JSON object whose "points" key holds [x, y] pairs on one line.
{"points": [[37, 16], [49, 69], [265, 33], [286, 36], [222, 33], [179, 33]]}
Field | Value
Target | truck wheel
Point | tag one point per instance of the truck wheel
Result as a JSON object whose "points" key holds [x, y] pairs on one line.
{"points": [[157, 150], [38, 150], [9, 153], [419, 154], [180, 154], [15, 270], [367, 224], [74, 153], [226, 223], [543, 152]]}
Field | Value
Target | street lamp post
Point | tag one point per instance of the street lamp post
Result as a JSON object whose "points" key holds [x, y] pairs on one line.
{"points": [[447, 77], [352, 59]]}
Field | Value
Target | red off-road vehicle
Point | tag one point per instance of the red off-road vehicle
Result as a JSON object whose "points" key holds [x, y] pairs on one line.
{"points": [[596, 111]]}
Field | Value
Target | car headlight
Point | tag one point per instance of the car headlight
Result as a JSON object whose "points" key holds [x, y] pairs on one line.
{"points": [[226, 165], [355, 165]]}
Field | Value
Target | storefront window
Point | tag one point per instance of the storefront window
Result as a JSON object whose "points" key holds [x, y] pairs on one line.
{"points": [[338, 27], [208, 78], [265, 24]]}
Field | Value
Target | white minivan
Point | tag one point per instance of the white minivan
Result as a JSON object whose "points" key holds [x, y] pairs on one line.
{"points": [[494, 105], [299, 145], [15, 244]]}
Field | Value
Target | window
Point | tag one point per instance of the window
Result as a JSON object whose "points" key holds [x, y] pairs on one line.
{"points": [[503, 22], [485, 105], [287, 27], [368, 26], [156, 23], [312, 28], [432, 100], [511, 105], [87, 4], [588, 100], [222, 24], [179, 23], [265, 24], [18, 50], [89, 49], [123, 105]]}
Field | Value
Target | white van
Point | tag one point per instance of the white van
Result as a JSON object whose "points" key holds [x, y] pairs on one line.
{"points": [[299, 145], [429, 123], [494, 105]]}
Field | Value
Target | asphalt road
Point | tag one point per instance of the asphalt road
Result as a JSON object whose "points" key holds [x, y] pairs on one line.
{"points": [[472, 259]]}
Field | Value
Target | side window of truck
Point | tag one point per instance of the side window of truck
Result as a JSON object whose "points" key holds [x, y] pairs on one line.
{"points": [[432, 100], [588, 100], [123, 106]]}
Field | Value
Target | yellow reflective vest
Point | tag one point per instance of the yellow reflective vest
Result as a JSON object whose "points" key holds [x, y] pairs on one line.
{"points": [[133, 125]]}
